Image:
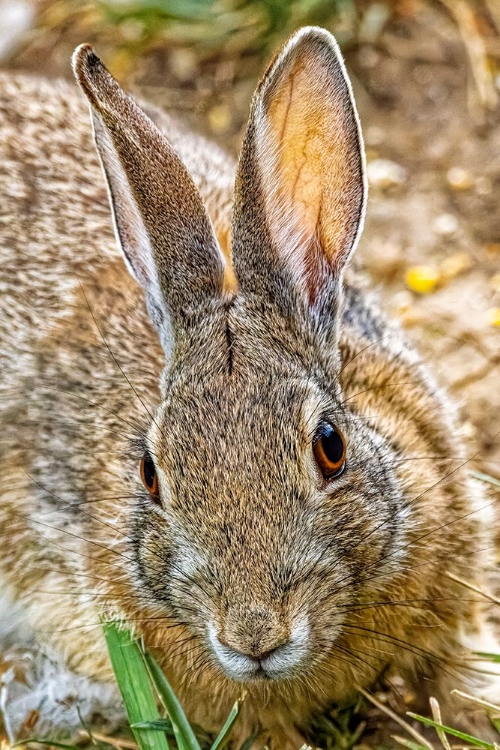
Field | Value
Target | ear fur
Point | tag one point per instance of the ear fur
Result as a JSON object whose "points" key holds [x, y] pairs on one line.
{"points": [[160, 222], [301, 187]]}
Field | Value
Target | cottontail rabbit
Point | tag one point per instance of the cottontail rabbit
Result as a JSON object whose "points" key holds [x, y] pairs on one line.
{"points": [[253, 468]]}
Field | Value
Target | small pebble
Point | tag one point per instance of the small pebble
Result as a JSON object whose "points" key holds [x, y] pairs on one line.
{"points": [[409, 698], [132, 29], [459, 179], [374, 135], [16, 18], [484, 186], [397, 681], [384, 174], [368, 57], [445, 224], [220, 118], [183, 63], [438, 92]]}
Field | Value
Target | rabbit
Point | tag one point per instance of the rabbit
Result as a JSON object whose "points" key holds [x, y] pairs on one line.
{"points": [[210, 429]]}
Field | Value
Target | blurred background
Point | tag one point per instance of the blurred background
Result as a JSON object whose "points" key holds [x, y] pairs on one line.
{"points": [[426, 75]]}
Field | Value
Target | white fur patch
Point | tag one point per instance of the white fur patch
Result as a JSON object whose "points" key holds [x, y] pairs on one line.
{"points": [[37, 683]]}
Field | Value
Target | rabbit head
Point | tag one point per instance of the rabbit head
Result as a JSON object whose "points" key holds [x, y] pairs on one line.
{"points": [[268, 498]]}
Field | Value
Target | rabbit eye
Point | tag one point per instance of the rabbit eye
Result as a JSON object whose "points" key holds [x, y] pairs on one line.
{"points": [[149, 477], [329, 451]]}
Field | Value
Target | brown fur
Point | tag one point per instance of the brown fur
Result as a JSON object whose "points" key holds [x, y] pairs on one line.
{"points": [[248, 536]]}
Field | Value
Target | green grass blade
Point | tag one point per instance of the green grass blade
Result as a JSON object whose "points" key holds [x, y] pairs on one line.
{"points": [[486, 478], [488, 657], [454, 732], [181, 744], [408, 743], [249, 742], [223, 736], [160, 725], [135, 685], [174, 708]]}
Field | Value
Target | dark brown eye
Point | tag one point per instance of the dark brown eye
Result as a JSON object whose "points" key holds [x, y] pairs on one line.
{"points": [[329, 450], [149, 477]]}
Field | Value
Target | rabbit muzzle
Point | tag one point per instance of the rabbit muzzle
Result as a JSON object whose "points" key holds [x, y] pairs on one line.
{"points": [[258, 643]]}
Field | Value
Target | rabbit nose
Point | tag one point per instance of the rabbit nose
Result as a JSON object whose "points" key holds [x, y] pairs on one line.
{"points": [[253, 631], [253, 653]]}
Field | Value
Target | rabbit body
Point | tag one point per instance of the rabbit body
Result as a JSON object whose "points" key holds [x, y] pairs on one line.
{"points": [[247, 567]]}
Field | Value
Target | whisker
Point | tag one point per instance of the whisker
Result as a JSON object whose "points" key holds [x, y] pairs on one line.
{"points": [[73, 394], [114, 529], [375, 388], [410, 504], [150, 415], [364, 349]]}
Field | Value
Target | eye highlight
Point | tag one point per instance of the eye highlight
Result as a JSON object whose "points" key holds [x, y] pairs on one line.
{"points": [[330, 451], [149, 477]]}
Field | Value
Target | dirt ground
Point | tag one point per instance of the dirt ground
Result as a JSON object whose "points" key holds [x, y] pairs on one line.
{"points": [[414, 93], [434, 170]]}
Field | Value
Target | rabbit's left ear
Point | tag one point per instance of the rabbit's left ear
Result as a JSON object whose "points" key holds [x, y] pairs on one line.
{"points": [[300, 190], [161, 224]]}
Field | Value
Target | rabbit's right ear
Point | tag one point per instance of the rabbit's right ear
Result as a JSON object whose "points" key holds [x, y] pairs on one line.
{"points": [[160, 222], [300, 188]]}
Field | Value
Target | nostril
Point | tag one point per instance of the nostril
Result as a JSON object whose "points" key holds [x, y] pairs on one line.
{"points": [[252, 653], [263, 655]]}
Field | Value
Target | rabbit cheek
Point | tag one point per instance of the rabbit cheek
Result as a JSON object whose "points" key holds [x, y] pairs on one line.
{"points": [[153, 549]]}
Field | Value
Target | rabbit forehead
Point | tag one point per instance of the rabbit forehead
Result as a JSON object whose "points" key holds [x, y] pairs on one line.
{"points": [[228, 436], [257, 413]]}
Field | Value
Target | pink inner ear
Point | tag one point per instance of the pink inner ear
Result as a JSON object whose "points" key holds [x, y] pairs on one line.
{"points": [[310, 160], [314, 270]]}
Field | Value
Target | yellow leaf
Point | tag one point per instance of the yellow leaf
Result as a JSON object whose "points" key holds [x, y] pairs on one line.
{"points": [[422, 279], [494, 316]]}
